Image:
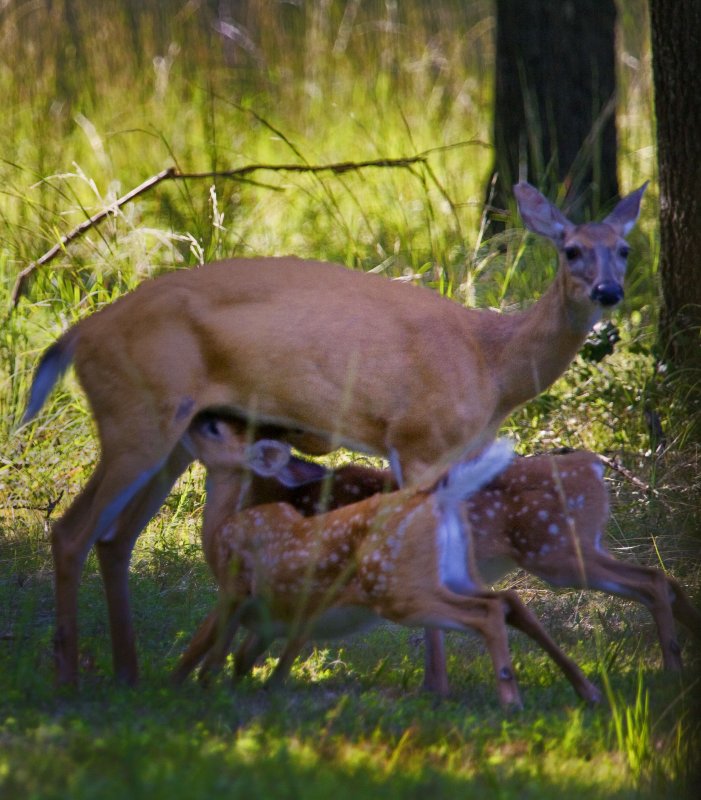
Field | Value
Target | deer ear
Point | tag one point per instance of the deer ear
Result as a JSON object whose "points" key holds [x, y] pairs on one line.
{"points": [[625, 214], [267, 457], [299, 472], [539, 214]]}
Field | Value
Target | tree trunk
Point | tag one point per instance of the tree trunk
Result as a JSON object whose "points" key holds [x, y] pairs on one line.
{"points": [[554, 107], [676, 58]]}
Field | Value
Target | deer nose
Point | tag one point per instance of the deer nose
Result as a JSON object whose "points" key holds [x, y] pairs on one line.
{"points": [[607, 293]]}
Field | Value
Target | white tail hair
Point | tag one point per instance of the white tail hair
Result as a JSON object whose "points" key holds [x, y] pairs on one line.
{"points": [[467, 477]]}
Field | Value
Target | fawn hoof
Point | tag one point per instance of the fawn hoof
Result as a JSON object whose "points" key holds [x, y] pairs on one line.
{"points": [[509, 695]]}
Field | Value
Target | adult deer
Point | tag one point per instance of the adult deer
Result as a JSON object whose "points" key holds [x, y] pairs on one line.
{"points": [[546, 514], [393, 555], [337, 356]]}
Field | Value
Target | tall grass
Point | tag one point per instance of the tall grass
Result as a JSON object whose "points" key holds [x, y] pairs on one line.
{"points": [[99, 96]]}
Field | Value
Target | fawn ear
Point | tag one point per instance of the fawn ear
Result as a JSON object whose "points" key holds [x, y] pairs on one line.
{"points": [[298, 472], [625, 214], [267, 457], [539, 214]]}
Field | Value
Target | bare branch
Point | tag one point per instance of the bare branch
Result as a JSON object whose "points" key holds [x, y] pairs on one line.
{"points": [[172, 173], [616, 466]]}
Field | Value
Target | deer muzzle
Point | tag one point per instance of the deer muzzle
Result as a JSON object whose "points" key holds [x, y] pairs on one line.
{"points": [[607, 293]]}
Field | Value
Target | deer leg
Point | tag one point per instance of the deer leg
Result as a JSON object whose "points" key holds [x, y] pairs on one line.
{"points": [[522, 618], [484, 613], [282, 669], [69, 551], [435, 664], [487, 615], [645, 585], [648, 586], [203, 640], [114, 555], [252, 647], [227, 618]]}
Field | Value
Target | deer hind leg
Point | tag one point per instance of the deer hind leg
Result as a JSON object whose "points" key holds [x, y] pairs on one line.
{"points": [[522, 618], [114, 555], [435, 664], [661, 595], [93, 513], [646, 585], [70, 545]]}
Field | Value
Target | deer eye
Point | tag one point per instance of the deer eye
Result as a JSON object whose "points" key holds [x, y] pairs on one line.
{"points": [[572, 252], [623, 251]]}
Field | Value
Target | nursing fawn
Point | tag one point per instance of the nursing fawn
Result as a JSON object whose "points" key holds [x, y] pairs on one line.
{"points": [[401, 556], [546, 514]]}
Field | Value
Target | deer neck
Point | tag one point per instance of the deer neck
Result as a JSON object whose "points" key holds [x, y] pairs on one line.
{"points": [[224, 494], [537, 345]]}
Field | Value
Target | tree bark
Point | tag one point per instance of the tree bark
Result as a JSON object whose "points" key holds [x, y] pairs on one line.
{"points": [[554, 107], [676, 32]]}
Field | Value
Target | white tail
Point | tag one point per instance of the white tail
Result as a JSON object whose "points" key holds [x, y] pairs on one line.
{"points": [[330, 355], [279, 572], [546, 514]]}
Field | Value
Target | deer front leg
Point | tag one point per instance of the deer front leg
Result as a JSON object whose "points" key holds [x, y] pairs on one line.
{"points": [[227, 619], [520, 617], [484, 613], [203, 640], [282, 669], [252, 647]]}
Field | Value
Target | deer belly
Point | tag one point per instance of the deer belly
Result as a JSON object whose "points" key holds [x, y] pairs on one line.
{"points": [[343, 621]]}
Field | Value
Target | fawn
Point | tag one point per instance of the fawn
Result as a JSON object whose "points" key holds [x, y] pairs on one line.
{"points": [[400, 555], [546, 514]]}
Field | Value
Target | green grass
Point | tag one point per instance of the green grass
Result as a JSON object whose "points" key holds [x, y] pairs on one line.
{"points": [[96, 98]]}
